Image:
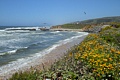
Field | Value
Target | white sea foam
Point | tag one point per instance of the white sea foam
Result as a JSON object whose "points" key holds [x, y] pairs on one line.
{"points": [[2, 30], [72, 38], [37, 28], [10, 42], [11, 51], [2, 54], [55, 32], [20, 63], [39, 33], [13, 28], [23, 62]]}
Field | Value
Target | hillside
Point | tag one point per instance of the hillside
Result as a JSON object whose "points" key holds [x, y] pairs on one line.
{"points": [[93, 22], [100, 20]]}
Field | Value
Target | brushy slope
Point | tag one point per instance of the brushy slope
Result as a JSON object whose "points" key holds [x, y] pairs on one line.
{"points": [[100, 20], [96, 58]]}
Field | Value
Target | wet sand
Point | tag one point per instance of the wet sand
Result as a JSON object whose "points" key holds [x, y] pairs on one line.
{"points": [[47, 59]]}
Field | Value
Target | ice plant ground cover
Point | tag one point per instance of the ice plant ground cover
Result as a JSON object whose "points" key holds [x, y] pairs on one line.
{"points": [[96, 58]]}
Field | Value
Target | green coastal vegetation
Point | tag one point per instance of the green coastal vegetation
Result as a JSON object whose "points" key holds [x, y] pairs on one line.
{"points": [[90, 23], [97, 57]]}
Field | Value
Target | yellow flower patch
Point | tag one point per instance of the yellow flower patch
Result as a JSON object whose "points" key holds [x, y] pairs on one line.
{"points": [[98, 54]]}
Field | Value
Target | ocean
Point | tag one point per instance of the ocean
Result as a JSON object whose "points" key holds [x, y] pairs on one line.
{"points": [[17, 47]]}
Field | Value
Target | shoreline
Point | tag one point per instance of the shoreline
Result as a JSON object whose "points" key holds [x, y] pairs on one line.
{"points": [[47, 59]]}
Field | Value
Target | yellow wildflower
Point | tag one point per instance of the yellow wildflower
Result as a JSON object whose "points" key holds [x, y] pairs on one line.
{"points": [[104, 64], [98, 74], [110, 66], [94, 70], [94, 56], [118, 52], [98, 61], [105, 60], [77, 55], [70, 54], [110, 59], [113, 50], [102, 72]]}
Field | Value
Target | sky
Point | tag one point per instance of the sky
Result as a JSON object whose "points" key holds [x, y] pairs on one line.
{"points": [[54, 12]]}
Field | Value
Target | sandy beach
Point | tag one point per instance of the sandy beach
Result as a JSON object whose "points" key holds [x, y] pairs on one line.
{"points": [[45, 60]]}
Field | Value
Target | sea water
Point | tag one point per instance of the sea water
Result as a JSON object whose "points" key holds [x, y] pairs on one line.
{"points": [[17, 47]]}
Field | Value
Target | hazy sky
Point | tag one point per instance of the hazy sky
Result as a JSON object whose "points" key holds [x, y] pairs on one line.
{"points": [[53, 12]]}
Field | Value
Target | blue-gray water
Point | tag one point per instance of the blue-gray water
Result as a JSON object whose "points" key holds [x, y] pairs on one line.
{"points": [[20, 44]]}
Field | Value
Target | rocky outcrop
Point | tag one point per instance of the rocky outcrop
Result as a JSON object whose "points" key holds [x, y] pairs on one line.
{"points": [[55, 27], [44, 29], [21, 29], [95, 29]]}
